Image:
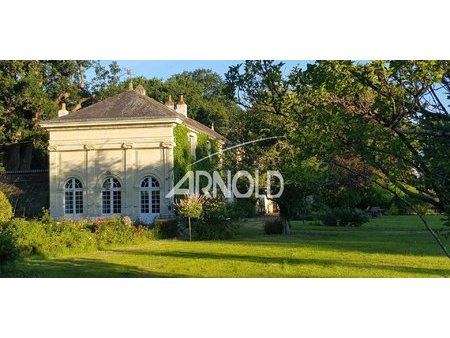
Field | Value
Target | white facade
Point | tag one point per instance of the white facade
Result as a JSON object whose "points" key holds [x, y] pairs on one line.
{"points": [[126, 154]]}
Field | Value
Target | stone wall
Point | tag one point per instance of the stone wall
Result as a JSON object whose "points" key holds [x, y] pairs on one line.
{"points": [[28, 191]]}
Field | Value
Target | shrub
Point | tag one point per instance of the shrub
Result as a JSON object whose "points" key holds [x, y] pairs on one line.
{"points": [[273, 226], [113, 231], [242, 208], [215, 223], [35, 237], [166, 228], [6, 209], [31, 237], [343, 217], [68, 236], [9, 251], [328, 218]]}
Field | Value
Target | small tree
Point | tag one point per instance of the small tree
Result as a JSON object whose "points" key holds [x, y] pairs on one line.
{"points": [[190, 207], [6, 210]]}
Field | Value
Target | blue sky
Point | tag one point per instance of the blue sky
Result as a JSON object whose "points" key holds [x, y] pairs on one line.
{"points": [[164, 69]]}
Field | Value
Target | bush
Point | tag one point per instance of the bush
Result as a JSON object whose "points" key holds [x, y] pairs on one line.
{"points": [[343, 217], [49, 237], [273, 226], [242, 208], [30, 236], [215, 223], [329, 218], [116, 231], [33, 237], [6, 209], [166, 228], [68, 236], [9, 252]]}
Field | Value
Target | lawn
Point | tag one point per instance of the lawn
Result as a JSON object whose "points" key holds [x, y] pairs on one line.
{"points": [[390, 246]]}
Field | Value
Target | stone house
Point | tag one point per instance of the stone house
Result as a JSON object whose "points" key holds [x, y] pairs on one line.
{"points": [[116, 157]]}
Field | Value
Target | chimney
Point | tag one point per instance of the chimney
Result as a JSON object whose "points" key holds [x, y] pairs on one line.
{"points": [[63, 111], [170, 103], [140, 90], [181, 106]]}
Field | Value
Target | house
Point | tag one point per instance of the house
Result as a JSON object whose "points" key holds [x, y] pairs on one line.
{"points": [[266, 205], [116, 157]]}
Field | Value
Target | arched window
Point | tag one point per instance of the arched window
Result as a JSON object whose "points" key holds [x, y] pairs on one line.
{"points": [[150, 196], [73, 197], [111, 196]]}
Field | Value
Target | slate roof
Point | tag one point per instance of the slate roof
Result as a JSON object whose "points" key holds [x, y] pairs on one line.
{"points": [[131, 104]]}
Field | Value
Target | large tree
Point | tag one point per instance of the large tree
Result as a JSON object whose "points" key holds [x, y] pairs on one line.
{"points": [[32, 91], [390, 115]]}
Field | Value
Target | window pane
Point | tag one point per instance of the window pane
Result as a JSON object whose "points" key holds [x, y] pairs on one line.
{"points": [[69, 184], [144, 183], [155, 202], [78, 184], [106, 202], [68, 202], [107, 184], [145, 203], [117, 203], [78, 202]]}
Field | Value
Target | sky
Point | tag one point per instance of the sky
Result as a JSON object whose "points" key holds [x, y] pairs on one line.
{"points": [[164, 69]]}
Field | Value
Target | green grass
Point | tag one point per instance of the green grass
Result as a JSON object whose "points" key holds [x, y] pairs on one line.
{"points": [[390, 246]]}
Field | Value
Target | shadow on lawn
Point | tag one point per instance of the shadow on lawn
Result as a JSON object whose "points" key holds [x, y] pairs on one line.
{"points": [[80, 267], [421, 245], [293, 261]]}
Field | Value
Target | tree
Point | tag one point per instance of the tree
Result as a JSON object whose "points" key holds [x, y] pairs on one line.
{"points": [[390, 115], [32, 91], [191, 206]]}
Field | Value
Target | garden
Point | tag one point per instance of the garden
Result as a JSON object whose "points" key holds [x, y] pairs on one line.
{"points": [[387, 246]]}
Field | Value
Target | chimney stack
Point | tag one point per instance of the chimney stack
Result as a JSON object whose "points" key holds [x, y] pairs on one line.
{"points": [[63, 111], [170, 103], [140, 90], [181, 106]]}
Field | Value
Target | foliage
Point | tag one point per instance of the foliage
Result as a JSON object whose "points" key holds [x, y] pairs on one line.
{"points": [[273, 226], [166, 228], [242, 208], [215, 223], [50, 237], [181, 152], [203, 90], [205, 147], [6, 209], [118, 231], [343, 217], [31, 237], [9, 252], [183, 158], [191, 206], [385, 121], [310, 251], [33, 90]]}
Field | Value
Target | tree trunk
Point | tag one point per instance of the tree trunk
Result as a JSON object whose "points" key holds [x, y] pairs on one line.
{"points": [[286, 226], [190, 232]]}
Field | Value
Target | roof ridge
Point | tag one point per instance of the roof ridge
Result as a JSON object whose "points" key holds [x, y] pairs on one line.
{"points": [[131, 104]]}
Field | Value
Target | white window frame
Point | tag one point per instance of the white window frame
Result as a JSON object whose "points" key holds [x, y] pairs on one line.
{"points": [[113, 192], [75, 192]]}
